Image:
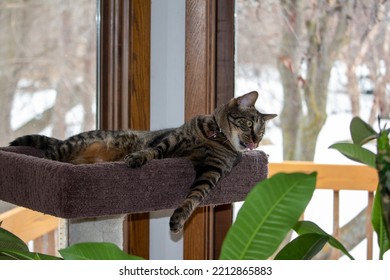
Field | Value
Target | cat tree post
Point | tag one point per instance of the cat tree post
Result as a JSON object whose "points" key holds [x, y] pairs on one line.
{"points": [[98, 229]]}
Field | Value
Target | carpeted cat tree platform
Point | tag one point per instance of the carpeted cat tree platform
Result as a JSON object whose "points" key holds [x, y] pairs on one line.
{"points": [[81, 191]]}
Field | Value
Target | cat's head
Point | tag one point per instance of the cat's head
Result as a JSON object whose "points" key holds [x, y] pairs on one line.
{"points": [[242, 124]]}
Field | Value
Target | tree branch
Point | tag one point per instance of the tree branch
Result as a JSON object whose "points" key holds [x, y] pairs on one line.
{"points": [[351, 235]]}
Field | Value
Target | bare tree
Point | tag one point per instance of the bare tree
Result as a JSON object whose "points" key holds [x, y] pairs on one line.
{"points": [[306, 91], [380, 76], [305, 39], [51, 45], [367, 47]]}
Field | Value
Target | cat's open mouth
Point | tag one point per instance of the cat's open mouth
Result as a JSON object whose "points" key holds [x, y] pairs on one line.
{"points": [[249, 146]]}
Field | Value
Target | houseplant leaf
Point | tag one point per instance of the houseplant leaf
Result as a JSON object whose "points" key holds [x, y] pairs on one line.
{"points": [[304, 247], [381, 208], [9, 241], [356, 153], [95, 251], [379, 225], [13, 248], [270, 210], [22, 255], [361, 132], [306, 227], [383, 167]]}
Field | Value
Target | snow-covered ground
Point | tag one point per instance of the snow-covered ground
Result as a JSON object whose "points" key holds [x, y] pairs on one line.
{"points": [[27, 106]]}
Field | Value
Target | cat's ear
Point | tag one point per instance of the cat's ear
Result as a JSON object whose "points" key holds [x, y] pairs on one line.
{"points": [[268, 117], [247, 100]]}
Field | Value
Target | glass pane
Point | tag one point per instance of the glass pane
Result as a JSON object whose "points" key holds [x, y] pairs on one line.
{"points": [[47, 67], [316, 64]]}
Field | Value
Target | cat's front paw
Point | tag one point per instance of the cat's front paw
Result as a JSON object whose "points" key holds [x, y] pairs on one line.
{"points": [[176, 223], [135, 160]]}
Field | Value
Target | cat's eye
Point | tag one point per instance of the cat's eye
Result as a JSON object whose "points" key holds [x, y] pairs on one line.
{"points": [[249, 123]]}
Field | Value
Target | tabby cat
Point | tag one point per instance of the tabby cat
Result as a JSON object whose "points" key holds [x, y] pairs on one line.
{"points": [[213, 143]]}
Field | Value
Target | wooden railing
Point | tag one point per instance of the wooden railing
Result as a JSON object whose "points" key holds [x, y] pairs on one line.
{"points": [[338, 177], [40, 230], [37, 230]]}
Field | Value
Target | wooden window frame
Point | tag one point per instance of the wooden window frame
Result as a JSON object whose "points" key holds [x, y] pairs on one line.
{"points": [[209, 82], [124, 85], [124, 99], [125, 64]]}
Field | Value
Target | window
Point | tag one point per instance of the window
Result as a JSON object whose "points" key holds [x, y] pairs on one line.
{"points": [[317, 64], [47, 67]]}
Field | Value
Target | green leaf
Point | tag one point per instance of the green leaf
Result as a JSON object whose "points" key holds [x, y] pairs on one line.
{"points": [[383, 166], [13, 248], [356, 153], [270, 210], [9, 241], [361, 132], [306, 227], [95, 251], [22, 255], [304, 247], [379, 225]]}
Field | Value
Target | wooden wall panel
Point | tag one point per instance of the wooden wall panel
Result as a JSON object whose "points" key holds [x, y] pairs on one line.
{"points": [[223, 215], [124, 86], [139, 67], [200, 58], [209, 83], [113, 86], [125, 64], [199, 99], [225, 51], [223, 218]]}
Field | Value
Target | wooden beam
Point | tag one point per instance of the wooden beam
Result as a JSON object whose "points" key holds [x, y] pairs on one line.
{"points": [[209, 83], [199, 58], [199, 99], [198, 235], [223, 214], [332, 176], [113, 68], [139, 105], [28, 224], [225, 51], [139, 65], [138, 233], [124, 85], [223, 219], [125, 64]]}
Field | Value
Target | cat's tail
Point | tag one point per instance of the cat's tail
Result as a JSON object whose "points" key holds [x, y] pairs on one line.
{"points": [[38, 141]]}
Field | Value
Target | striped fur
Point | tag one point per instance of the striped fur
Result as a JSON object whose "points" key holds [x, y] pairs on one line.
{"points": [[213, 143]]}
